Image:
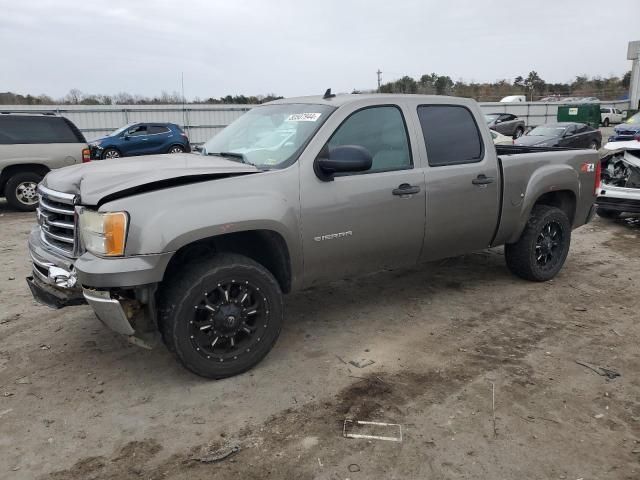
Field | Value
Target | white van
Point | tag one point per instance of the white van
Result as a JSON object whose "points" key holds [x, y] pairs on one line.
{"points": [[514, 98]]}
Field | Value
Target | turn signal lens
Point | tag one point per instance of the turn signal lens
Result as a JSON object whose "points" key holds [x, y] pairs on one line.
{"points": [[115, 231], [105, 233]]}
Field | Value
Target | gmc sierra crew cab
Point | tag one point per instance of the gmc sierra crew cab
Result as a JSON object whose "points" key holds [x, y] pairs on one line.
{"points": [[296, 192]]}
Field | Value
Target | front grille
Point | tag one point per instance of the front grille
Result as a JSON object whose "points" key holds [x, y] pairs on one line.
{"points": [[57, 219], [627, 132]]}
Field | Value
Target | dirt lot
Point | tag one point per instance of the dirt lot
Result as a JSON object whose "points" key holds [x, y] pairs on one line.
{"points": [[77, 402]]}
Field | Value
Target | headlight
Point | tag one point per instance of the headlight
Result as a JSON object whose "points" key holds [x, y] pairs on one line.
{"points": [[103, 233]]}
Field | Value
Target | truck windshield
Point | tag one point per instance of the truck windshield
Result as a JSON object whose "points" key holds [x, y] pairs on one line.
{"points": [[270, 136]]}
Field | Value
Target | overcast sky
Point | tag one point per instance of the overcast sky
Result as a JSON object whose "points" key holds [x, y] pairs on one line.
{"points": [[299, 47]]}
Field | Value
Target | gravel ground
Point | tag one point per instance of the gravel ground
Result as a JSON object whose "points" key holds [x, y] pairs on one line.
{"points": [[477, 366]]}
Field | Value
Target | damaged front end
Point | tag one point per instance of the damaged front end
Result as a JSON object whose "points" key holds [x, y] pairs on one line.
{"points": [[620, 183]]}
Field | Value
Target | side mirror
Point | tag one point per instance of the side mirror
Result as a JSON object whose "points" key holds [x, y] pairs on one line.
{"points": [[342, 159]]}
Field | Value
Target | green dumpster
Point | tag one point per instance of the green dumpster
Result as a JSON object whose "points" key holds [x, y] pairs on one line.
{"points": [[588, 113]]}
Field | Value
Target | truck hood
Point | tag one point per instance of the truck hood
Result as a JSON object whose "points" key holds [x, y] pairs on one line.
{"points": [[102, 180]]}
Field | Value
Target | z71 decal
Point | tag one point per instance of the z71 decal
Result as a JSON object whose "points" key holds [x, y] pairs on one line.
{"points": [[588, 167]]}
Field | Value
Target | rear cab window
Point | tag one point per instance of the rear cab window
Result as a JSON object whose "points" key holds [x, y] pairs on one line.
{"points": [[33, 129], [451, 135]]}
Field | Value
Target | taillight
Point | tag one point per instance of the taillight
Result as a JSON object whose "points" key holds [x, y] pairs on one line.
{"points": [[596, 186], [86, 155], [637, 137]]}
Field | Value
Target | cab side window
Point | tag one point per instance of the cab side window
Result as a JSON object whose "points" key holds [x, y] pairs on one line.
{"points": [[450, 135], [137, 131], [382, 131], [155, 129]]}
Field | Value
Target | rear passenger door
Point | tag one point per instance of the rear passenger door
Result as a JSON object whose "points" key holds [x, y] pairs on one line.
{"points": [[462, 179], [158, 139], [507, 125]]}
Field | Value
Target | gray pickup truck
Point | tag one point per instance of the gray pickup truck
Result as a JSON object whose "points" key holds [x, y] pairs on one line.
{"points": [[295, 193]]}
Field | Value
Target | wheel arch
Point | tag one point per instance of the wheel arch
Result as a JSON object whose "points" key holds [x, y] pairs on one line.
{"points": [[266, 247], [11, 170]]}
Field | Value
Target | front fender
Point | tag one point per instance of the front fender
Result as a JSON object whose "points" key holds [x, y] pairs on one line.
{"points": [[167, 219]]}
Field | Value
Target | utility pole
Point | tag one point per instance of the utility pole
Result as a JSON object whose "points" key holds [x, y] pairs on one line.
{"points": [[379, 79]]}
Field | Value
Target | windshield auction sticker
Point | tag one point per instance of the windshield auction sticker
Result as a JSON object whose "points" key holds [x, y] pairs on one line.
{"points": [[303, 117]]}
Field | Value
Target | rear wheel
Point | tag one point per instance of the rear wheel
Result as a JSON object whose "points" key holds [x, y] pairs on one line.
{"points": [[176, 149], [221, 316], [519, 132], [594, 145], [21, 191], [110, 153], [604, 213], [542, 249]]}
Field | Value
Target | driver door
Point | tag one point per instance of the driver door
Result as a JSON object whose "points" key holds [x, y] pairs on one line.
{"points": [[136, 140], [361, 221]]}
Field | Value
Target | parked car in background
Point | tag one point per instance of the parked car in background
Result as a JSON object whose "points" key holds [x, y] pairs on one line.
{"points": [[619, 190], [499, 139], [505, 123], [30, 146], [610, 115], [562, 134], [628, 130], [514, 98], [141, 139]]}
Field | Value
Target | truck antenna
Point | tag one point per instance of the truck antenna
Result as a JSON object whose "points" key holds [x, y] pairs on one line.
{"points": [[328, 94]]}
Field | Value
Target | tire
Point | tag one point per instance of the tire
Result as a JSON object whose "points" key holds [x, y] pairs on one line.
{"points": [[250, 313], [176, 149], [518, 133], [21, 191], [111, 153], [594, 145], [539, 255], [604, 213], [606, 122]]}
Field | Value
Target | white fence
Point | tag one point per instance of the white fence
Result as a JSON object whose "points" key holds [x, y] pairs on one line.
{"points": [[201, 122], [537, 113]]}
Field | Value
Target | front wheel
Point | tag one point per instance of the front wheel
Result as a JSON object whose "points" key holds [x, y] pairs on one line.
{"points": [[594, 145], [606, 122], [110, 153], [221, 316], [542, 249], [21, 191]]}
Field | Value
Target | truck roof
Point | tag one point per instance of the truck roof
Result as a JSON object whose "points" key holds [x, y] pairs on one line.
{"points": [[345, 98]]}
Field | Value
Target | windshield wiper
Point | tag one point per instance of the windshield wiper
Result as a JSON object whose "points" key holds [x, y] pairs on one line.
{"points": [[239, 156]]}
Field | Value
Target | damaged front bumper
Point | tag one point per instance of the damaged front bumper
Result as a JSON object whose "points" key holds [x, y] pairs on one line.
{"points": [[121, 292]]}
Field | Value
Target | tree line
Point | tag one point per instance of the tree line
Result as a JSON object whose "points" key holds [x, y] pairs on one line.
{"points": [[77, 97], [532, 86]]}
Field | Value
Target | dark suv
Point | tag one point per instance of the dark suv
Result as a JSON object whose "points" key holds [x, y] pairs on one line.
{"points": [[30, 146], [141, 139]]}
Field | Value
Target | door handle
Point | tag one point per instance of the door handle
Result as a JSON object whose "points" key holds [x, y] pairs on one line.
{"points": [[406, 189], [482, 179]]}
